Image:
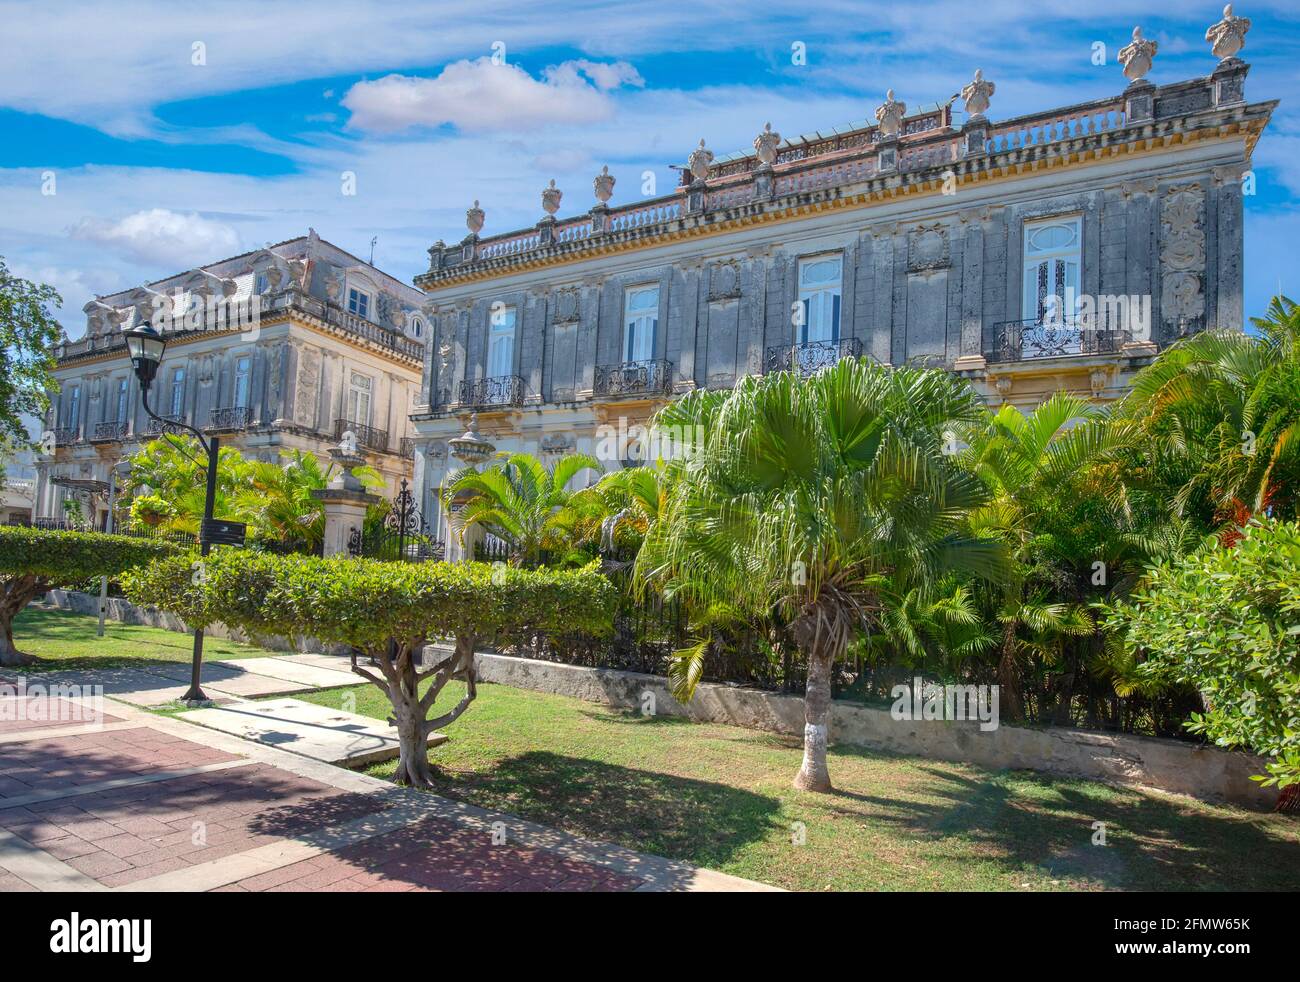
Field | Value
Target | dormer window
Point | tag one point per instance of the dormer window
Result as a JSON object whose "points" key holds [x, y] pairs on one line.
{"points": [[359, 302], [261, 283], [417, 328]]}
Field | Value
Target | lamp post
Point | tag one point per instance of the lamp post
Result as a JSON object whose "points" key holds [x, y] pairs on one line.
{"points": [[122, 467], [146, 347]]}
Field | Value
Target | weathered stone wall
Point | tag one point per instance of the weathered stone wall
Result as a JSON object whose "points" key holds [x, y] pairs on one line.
{"points": [[1170, 765]]}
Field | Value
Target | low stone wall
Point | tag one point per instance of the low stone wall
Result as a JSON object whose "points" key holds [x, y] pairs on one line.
{"points": [[1170, 765], [128, 613]]}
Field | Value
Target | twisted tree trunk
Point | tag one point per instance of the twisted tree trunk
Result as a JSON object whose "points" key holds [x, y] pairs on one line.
{"points": [[16, 593]]}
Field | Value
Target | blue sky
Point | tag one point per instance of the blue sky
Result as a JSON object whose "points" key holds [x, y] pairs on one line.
{"points": [[179, 133]]}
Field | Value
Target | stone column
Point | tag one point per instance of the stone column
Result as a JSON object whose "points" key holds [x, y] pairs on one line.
{"points": [[345, 500]]}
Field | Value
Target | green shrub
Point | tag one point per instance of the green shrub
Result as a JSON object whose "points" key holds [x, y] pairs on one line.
{"points": [[33, 561], [385, 610], [1228, 622]]}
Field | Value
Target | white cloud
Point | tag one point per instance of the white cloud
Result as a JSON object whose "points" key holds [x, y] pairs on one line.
{"points": [[160, 235], [480, 96]]}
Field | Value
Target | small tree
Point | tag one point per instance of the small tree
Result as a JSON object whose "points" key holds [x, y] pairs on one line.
{"points": [[386, 611], [28, 334], [1227, 622], [34, 561]]}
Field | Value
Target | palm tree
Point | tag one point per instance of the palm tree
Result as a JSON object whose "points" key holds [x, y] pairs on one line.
{"points": [[278, 502], [808, 498], [1218, 417], [517, 499]]}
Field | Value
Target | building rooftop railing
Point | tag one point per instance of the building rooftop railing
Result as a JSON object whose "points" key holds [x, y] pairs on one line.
{"points": [[856, 159], [269, 306]]}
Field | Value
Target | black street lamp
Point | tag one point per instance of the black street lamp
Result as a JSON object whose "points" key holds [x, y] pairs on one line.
{"points": [[146, 347]]}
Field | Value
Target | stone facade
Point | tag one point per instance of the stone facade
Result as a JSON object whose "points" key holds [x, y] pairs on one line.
{"points": [[319, 354], [934, 234]]}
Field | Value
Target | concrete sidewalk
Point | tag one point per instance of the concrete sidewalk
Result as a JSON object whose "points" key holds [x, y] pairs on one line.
{"points": [[138, 801]]}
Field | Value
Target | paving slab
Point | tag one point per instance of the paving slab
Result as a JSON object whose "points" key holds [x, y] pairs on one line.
{"points": [[133, 685], [324, 734], [337, 675]]}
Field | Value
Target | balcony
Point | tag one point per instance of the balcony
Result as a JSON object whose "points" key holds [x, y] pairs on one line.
{"points": [[110, 431], [406, 448], [164, 424], [65, 435], [503, 390], [1033, 338], [633, 378], [811, 356], [368, 437], [230, 418]]}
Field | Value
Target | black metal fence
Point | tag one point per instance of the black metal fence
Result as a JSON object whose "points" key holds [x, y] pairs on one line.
{"points": [[402, 535]]}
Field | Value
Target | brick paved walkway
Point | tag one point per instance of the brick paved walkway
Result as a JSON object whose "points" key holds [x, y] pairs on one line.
{"points": [[142, 802]]}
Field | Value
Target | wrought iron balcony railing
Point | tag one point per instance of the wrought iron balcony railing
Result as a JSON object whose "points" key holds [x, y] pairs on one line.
{"points": [[654, 377], [1025, 340], [502, 390], [64, 435], [171, 423], [110, 431], [811, 356], [230, 418], [406, 447], [367, 436]]}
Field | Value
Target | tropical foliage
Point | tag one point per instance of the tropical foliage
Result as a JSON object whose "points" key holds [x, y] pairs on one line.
{"points": [[519, 501], [28, 335], [168, 482], [1227, 621]]}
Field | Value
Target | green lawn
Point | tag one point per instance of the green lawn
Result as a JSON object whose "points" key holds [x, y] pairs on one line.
{"points": [[62, 640], [720, 796]]}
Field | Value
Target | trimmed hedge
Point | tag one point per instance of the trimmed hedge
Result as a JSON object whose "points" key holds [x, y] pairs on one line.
{"points": [[364, 603], [387, 610], [33, 561]]}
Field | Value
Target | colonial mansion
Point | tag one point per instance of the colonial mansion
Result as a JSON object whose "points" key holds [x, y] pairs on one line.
{"points": [[1061, 249]]}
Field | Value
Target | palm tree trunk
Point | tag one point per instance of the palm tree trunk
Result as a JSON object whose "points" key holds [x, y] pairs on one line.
{"points": [[1008, 682], [814, 775]]}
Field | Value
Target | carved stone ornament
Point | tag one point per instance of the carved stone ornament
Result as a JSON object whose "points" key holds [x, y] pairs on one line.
{"points": [[1136, 56], [567, 308], [927, 249], [305, 393], [551, 196], [558, 443], [1182, 254], [699, 160], [890, 116], [474, 219], [1228, 36], [724, 281], [603, 185], [976, 95], [765, 145]]}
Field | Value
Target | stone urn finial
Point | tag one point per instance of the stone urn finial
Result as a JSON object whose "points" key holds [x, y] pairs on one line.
{"points": [[699, 161], [1136, 57], [551, 196], [765, 145], [474, 219], [1228, 36], [603, 185], [976, 95], [470, 446], [890, 116]]}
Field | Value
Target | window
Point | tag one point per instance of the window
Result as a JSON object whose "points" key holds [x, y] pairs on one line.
{"points": [[501, 341], [1052, 259], [177, 392], [121, 400], [417, 328], [640, 323], [359, 302], [819, 298], [359, 399], [74, 408], [260, 283], [243, 372]]}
